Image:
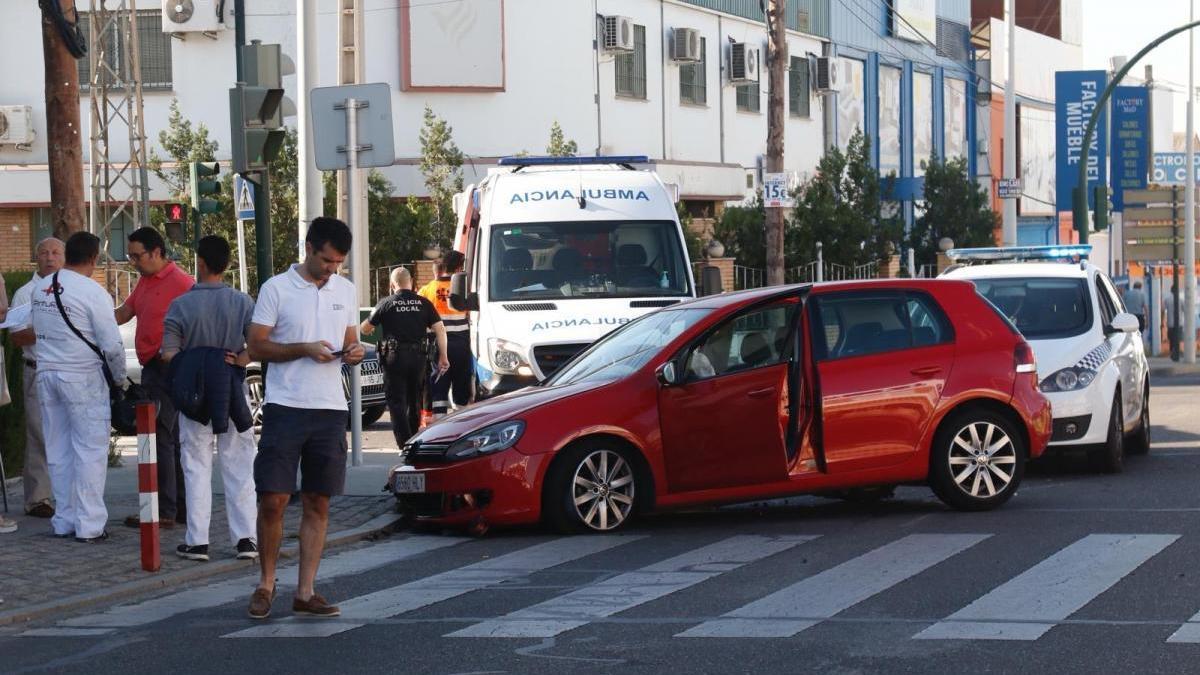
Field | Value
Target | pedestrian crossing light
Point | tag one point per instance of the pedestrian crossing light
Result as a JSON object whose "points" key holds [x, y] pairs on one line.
{"points": [[202, 185], [175, 215], [255, 108]]}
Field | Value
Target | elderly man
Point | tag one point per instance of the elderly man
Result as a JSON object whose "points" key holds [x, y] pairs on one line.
{"points": [[36, 477]]}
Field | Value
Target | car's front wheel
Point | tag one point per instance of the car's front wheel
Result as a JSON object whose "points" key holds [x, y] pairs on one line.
{"points": [[977, 460], [1110, 457], [1138, 443], [592, 487]]}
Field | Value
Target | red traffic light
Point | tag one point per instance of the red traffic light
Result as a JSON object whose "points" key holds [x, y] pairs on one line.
{"points": [[175, 213]]}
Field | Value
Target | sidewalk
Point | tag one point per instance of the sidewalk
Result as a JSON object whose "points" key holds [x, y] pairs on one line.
{"points": [[1163, 366], [41, 574]]}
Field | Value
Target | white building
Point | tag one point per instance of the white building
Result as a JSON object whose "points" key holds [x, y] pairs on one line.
{"points": [[499, 71]]}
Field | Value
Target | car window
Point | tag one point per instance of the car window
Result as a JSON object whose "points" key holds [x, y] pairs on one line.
{"points": [[857, 324], [1107, 309], [928, 323], [1111, 291], [1042, 308], [751, 340], [628, 348]]}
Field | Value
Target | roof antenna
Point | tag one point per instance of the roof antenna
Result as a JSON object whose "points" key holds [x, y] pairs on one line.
{"points": [[582, 199]]}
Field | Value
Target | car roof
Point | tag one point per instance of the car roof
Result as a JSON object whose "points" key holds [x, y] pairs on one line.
{"points": [[1021, 269], [751, 296]]}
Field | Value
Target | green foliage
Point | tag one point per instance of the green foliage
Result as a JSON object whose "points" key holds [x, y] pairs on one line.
{"points": [[441, 165], [12, 416], [693, 241], [955, 207], [743, 231], [840, 207], [559, 147], [399, 229]]}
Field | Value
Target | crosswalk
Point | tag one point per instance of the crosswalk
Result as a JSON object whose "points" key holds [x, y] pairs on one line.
{"points": [[1022, 604]]}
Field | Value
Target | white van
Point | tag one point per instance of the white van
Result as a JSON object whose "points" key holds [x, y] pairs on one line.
{"points": [[560, 251]]}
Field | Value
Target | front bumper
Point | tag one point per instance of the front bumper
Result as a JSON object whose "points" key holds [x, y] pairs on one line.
{"points": [[1088, 408], [505, 384], [499, 489]]}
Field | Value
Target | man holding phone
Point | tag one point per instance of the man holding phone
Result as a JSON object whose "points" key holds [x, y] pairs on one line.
{"points": [[304, 326]]}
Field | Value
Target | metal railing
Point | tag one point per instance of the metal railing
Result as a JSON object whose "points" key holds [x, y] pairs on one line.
{"points": [[818, 271], [927, 271], [381, 280], [748, 277]]}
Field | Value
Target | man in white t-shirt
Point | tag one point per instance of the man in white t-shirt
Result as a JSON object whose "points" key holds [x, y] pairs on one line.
{"points": [[73, 389], [304, 327], [36, 475]]}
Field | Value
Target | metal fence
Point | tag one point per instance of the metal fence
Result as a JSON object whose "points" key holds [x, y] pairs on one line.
{"points": [[813, 272], [927, 271], [748, 277], [381, 279]]}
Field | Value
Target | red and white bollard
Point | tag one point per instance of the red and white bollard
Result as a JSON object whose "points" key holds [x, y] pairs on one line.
{"points": [[148, 486]]}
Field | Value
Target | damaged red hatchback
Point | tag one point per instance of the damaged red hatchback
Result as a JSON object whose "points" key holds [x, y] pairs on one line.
{"points": [[764, 393]]}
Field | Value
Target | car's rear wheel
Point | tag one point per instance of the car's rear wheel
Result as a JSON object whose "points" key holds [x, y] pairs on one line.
{"points": [[592, 487], [1110, 457], [1138, 443], [254, 385], [977, 460]]}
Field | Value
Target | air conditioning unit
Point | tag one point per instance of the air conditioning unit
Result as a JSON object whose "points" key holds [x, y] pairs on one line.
{"points": [[743, 63], [193, 16], [829, 75], [685, 45], [618, 34], [16, 125]]}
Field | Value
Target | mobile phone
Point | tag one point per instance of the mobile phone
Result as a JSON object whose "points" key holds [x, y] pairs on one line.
{"points": [[338, 353]]}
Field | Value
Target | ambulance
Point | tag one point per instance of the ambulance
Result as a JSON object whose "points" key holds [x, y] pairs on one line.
{"points": [[560, 251]]}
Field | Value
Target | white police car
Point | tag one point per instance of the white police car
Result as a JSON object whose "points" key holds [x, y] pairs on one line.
{"points": [[1088, 348]]}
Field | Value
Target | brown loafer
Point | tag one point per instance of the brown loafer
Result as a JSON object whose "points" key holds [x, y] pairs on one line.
{"points": [[315, 606], [260, 603], [42, 510]]}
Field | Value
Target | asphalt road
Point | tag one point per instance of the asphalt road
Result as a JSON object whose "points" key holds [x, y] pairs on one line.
{"points": [[1079, 573]]}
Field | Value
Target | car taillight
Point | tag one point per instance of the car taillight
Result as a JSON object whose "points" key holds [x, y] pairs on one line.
{"points": [[1023, 359]]}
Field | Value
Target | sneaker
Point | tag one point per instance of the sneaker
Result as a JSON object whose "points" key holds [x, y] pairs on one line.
{"points": [[247, 549], [65, 535], [192, 552], [260, 603], [42, 510], [103, 536], [7, 525], [315, 606]]}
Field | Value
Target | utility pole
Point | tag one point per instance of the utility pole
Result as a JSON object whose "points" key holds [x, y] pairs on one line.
{"points": [[351, 70], [63, 133], [776, 58], [1189, 229], [311, 195], [1009, 228]]}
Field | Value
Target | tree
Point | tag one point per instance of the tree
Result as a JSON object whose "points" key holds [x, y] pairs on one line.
{"points": [[559, 147], [441, 165], [742, 230], [840, 208], [955, 207]]}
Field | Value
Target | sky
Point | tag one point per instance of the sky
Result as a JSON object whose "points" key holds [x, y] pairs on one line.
{"points": [[1124, 27]]}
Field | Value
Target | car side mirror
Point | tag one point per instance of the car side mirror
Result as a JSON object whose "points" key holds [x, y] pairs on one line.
{"points": [[460, 299], [667, 374], [1123, 323]]}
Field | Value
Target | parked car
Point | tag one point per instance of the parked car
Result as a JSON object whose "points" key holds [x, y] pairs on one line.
{"points": [[1087, 346], [374, 402], [762, 393]]}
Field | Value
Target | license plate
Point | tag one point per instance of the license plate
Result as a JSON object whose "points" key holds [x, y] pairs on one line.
{"points": [[409, 481], [372, 379]]}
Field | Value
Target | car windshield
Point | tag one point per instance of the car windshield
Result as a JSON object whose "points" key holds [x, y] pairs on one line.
{"points": [[628, 348], [1041, 308], [591, 259]]}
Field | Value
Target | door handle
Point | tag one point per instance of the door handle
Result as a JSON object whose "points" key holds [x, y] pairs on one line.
{"points": [[926, 371], [761, 393]]}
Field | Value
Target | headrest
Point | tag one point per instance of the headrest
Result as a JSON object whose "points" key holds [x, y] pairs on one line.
{"points": [[754, 349], [516, 259], [567, 260], [631, 255]]}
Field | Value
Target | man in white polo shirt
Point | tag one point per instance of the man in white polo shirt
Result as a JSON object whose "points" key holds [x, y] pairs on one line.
{"points": [[304, 328]]}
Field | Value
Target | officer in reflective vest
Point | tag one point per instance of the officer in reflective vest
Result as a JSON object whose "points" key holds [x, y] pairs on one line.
{"points": [[457, 379]]}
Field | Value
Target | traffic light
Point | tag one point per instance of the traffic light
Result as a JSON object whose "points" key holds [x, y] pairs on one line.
{"points": [[255, 112], [175, 215], [1103, 207], [201, 186]]}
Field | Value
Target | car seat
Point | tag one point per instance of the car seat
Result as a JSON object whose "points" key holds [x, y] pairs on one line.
{"points": [[862, 338], [515, 267], [755, 351], [631, 267]]}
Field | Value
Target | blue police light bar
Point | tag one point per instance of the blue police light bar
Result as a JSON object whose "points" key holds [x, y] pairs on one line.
{"points": [[993, 253], [574, 161]]}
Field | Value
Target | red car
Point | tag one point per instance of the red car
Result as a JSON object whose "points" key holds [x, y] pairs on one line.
{"points": [[765, 393]]}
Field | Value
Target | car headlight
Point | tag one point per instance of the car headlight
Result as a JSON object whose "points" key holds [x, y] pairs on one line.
{"points": [[1068, 379], [508, 357], [487, 440]]}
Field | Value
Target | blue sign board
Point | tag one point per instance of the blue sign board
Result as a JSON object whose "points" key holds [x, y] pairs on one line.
{"points": [[1076, 94], [1130, 141], [243, 198], [1169, 168]]}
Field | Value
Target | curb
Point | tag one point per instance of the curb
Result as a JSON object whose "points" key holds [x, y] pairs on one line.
{"points": [[1174, 370], [383, 524]]}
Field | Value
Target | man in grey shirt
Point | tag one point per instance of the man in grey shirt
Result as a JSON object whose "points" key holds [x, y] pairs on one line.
{"points": [[213, 315], [1135, 304]]}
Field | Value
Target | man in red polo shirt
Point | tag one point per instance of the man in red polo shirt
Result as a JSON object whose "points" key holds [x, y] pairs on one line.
{"points": [[161, 282]]}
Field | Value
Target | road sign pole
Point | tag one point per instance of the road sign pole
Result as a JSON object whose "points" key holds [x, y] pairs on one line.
{"points": [[243, 284], [357, 273]]}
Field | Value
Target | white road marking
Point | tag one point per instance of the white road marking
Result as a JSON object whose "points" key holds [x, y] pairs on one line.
{"points": [[790, 610], [631, 589], [214, 595], [1031, 603], [389, 602]]}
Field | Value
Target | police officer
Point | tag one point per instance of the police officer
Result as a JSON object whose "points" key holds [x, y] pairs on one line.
{"points": [[405, 318], [458, 338]]}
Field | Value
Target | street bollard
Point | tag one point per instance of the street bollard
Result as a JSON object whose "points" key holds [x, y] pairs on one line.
{"points": [[148, 486]]}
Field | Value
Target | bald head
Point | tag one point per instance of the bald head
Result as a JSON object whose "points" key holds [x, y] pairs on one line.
{"points": [[51, 254], [401, 280]]}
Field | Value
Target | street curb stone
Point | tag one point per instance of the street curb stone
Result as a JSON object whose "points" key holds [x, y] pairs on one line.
{"points": [[385, 523]]}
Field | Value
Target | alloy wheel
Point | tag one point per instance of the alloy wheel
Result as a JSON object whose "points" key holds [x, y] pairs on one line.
{"points": [[982, 460], [603, 490], [254, 386]]}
